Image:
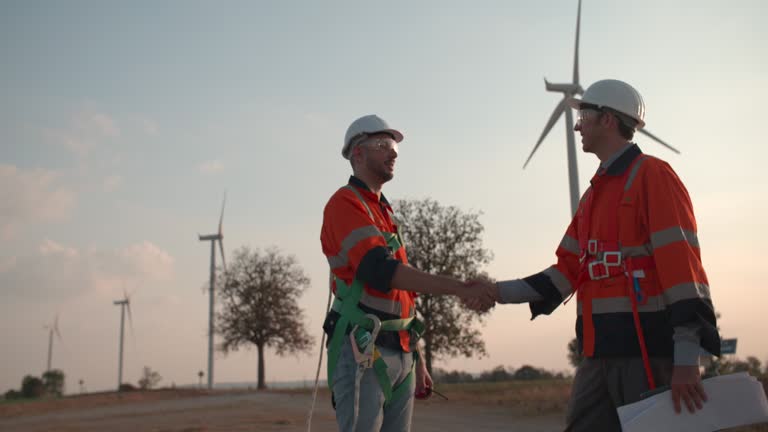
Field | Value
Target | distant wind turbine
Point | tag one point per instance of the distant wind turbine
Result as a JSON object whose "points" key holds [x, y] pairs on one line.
{"points": [[124, 303], [213, 238], [53, 328], [569, 90]]}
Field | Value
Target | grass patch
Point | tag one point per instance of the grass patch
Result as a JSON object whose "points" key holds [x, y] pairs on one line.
{"points": [[535, 397], [18, 401], [754, 428], [525, 397]]}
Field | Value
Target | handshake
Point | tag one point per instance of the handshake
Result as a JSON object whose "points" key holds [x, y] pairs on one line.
{"points": [[479, 294]]}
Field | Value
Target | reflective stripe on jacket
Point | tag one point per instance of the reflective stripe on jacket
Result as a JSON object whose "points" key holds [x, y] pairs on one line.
{"points": [[641, 201]]}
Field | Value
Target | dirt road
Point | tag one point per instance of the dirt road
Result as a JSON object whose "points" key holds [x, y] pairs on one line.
{"points": [[263, 411]]}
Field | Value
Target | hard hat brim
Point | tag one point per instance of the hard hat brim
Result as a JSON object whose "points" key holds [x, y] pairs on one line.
{"points": [[574, 102], [395, 134]]}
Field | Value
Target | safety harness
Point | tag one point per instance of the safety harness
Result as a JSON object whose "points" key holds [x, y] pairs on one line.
{"points": [[363, 329], [603, 259]]}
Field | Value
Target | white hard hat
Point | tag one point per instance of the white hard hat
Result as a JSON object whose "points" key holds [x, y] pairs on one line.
{"points": [[367, 125], [616, 95]]}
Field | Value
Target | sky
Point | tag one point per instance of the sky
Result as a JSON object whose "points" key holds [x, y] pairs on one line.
{"points": [[122, 124]]}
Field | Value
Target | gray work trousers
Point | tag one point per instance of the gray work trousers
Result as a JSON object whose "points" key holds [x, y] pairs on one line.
{"points": [[372, 416], [601, 385]]}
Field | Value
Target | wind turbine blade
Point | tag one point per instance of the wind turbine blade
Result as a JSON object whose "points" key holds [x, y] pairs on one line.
{"points": [[576, 50], [658, 140], [130, 317], [56, 327], [221, 218], [223, 259], [552, 120]]}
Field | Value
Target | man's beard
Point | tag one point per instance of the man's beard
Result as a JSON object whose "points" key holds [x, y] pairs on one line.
{"points": [[381, 171]]}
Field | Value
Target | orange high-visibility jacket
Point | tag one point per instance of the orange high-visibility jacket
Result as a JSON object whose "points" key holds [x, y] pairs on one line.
{"points": [[355, 248], [634, 220]]}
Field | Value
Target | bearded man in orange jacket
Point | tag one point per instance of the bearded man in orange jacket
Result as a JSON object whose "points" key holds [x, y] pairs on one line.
{"points": [[374, 365]]}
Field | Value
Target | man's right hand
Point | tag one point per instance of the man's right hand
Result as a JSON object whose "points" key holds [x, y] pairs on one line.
{"points": [[480, 295], [686, 387]]}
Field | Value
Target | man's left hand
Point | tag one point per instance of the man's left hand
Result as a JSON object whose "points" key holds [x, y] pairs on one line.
{"points": [[423, 380], [686, 385]]}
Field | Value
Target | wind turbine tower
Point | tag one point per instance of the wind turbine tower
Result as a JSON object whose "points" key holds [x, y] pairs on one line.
{"points": [[213, 238], [53, 328], [570, 90], [124, 303]]}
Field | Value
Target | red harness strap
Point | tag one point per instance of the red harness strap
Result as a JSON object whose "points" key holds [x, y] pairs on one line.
{"points": [[636, 297]]}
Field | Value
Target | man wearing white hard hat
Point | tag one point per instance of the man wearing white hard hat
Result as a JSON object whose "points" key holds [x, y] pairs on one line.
{"points": [[631, 258], [374, 365]]}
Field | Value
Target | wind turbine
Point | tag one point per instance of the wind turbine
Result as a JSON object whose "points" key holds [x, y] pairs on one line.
{"points": [[124, 303], [569, 90], [53, 328], [213, 238]]}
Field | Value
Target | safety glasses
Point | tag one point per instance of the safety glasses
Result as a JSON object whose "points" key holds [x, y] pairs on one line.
{"points": [[586, 113], [383, 145]]}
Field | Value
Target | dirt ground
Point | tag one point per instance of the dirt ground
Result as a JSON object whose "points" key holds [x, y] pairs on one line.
{"points": [[194, 411], [286, 411]]}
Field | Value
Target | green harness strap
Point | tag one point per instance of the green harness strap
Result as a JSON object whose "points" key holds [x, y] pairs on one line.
{"points": [[350, 315], [390, 393]]}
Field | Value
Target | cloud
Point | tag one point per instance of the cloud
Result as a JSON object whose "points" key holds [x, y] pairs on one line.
{"points": [[50, 248], [148, 260], [211, 167], [31, 196], [85, 131], [57, 272]]}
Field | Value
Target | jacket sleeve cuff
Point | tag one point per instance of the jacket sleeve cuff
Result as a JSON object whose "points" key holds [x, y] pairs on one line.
{"points": [[551, 297], [687, 344], [517, 291], [687, 354], [699, 313]]}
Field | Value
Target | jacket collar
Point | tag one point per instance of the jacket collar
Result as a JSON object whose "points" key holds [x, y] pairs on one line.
{"points": [[356, 182], [625, 159]]}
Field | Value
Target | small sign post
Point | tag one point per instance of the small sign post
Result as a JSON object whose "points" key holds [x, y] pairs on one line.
{"points": [[728, 346]]}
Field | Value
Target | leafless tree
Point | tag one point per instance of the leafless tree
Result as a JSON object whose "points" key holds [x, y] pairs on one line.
{"points": [[259, 297], [149, 379], [445, 241]]}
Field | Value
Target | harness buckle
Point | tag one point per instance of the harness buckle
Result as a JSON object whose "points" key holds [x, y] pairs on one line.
{"points": [[592, 247], [612, 259], [367, 341], [598, 270]]}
